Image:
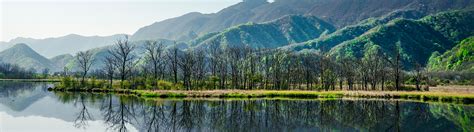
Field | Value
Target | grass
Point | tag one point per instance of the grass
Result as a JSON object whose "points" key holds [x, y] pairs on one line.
{"points": [[452, 97]]}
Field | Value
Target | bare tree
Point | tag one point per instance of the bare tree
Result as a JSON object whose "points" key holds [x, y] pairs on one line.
{"points": [[418, 75], [186, 63], [85, 62], [109, 69], [172, 56], [124, 59], [154, 54]]}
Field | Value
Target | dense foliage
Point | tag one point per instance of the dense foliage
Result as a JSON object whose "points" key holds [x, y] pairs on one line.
{"points": [[427, 35], [460, 58], [338, 12], [283, 31], [327, 42]]}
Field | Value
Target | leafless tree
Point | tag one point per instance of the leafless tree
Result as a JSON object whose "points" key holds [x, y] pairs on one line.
{"points": [[186, 63], [84, 60], [109, 69], [125, 60], [172, 56], [154, 55]]}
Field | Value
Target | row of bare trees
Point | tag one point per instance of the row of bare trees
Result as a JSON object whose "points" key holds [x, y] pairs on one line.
{"points": [[247, 68]]}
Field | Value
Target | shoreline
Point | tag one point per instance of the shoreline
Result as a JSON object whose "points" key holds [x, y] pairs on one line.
{"points": [[444, 97]]}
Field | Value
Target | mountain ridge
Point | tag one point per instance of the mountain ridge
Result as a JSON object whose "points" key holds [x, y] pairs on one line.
{"points": [[68, 44], [337, 12], [24, 56]]}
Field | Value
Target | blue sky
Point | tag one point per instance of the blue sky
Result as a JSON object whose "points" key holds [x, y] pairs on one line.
{"points": [[54, 18]]}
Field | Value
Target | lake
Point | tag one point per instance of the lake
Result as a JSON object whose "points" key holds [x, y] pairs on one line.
{"points": [[30, 107]]}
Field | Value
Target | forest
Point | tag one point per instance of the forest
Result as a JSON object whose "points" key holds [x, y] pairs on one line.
{"points": [[246, 68]]}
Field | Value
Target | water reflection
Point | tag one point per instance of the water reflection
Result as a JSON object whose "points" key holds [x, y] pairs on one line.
{"points": [[123, 113]]}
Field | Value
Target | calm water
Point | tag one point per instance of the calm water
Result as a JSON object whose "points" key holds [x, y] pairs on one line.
{"points": [[30, 107]]}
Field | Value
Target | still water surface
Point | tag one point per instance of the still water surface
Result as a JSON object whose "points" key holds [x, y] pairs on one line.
{"points": [[30, 107]]}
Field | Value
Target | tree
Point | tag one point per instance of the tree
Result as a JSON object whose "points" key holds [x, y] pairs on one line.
{"points": [[154, 54], [200, 66], [172, 56], [418, 75], [124, 59], [46, 72], [395, 63], [85, 62], [186, 64], [109, 69]]}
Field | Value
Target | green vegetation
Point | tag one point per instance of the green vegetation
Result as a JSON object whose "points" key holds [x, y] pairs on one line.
{"points": [[437, 33], [326, 42], [25, 57], [286, 30], [460, 58], [462, 98]]}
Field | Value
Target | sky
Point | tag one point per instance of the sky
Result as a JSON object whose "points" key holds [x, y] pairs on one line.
{"points": [[54, 18]]}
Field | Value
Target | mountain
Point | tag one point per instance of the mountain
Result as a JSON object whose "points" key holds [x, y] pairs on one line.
{"points": [[69, 44], [326, 42], [339, 13], [61, 60], [460, 58], [283, 31], [416, 39], [25, 57]]}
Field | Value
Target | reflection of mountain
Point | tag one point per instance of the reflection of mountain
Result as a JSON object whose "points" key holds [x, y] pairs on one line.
{"points": [[32, 99], [19, 96]]}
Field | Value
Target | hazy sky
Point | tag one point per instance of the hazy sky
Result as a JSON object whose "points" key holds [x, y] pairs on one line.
{"points": [[54, 18]]}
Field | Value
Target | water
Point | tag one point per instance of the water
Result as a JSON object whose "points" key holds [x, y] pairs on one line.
{"points": [[30, 107]]}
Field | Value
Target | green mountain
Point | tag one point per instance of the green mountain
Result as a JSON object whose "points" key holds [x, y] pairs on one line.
{"points": [[460, 58], [61, 60], [326, 42], [25, 57], [274, 34], [337, 12], [417, 39]]}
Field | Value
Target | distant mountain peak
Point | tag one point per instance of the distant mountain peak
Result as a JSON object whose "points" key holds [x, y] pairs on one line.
{"points": [[26, 57], [22, 47]]}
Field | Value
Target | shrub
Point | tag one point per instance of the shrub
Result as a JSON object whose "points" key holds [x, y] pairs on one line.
{"points": [[162, 84]]}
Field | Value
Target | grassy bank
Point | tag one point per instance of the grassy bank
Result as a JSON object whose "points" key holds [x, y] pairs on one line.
{"points": [[452, 97]]}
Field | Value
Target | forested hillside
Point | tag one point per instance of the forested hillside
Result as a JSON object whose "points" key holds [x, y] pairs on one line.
{"points": [[286, 30], [326, 42], [460, 58], [24, 56], [337, 12], [415, 40]]}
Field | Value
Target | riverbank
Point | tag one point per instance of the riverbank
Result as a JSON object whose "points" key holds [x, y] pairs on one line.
{"points": [[449, 97]]}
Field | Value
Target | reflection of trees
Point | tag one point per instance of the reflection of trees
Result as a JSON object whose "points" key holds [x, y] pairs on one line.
{"points": [[13, 89], [119, 117], [280, 115], [461, 116], [83, 116]]}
